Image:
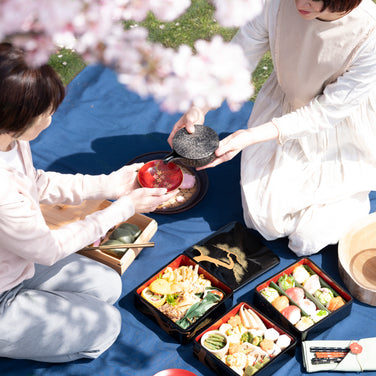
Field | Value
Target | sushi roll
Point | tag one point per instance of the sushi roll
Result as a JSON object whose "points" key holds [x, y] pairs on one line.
{"points": [[269, 293], [281, 303], [283, 341], [336, 303], [312, 284], [226, 329], [307, 306], [300, 274], [295, 293], [292, 313], [286, 281], [271, 334], [304, 323], [324, 295], [275, 351], [319, 315]]}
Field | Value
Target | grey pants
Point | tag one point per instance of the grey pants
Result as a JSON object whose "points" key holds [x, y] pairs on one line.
{"points": [[63, 313]]}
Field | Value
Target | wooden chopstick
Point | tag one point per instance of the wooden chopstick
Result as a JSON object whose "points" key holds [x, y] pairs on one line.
{"points": [[337, 354], [325, 360], [323, 348], [119, 246]]}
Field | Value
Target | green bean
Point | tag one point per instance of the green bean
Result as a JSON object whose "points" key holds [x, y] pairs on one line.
{"points": [[215, 342], [218, 338]]}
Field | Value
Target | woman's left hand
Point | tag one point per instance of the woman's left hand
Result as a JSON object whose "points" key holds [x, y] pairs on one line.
{"points": [[229, 147]]}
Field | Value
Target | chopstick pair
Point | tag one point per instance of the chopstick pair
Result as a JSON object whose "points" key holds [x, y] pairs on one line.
{"points": [[119, 246], [326, 349], [326, 360], [325, 355]]}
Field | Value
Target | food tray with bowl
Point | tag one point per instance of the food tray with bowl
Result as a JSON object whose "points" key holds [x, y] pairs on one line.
{"points": [[244, 342], [191, 191], [303, 299], [59, 215], [183, 298], [222, 263]]}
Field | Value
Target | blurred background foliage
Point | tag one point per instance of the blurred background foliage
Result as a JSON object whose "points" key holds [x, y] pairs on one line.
{"points": [[197, 23]]}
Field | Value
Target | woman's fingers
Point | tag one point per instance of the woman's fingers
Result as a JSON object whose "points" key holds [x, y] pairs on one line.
{"points": [[193, 116]]}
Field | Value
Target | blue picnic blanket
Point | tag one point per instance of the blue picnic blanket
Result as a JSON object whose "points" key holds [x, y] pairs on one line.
{"points": [[101, 126]]}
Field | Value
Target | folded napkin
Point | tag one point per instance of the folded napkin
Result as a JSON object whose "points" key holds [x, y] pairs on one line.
{"points": [[352, 362]]}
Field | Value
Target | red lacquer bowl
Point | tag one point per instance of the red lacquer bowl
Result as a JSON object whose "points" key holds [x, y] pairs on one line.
{"points": [[156, 174]]}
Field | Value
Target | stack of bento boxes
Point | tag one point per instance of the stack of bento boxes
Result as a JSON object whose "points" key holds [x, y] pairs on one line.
{"points": [[191, 298]]}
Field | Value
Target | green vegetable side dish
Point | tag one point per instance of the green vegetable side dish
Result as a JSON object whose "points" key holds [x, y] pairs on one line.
{"points": [[171, 299], [246, 337], [117, 252], [197, 310], [132, 228], [125, 233], [251, 370], [215, 342]]}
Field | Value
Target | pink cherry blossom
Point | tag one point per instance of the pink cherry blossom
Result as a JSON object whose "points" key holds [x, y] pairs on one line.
{"points": [[217, 71], [234, 13]]}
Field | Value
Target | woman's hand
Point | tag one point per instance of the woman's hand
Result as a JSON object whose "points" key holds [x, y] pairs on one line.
{"points": [[125, 179], [193, 116], [146, 200], [230, 146]]}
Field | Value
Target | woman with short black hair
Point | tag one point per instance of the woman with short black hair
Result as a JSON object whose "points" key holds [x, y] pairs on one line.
{"points": [[55, 305]]}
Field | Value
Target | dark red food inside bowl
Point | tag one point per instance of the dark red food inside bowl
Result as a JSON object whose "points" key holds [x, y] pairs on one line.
{"points": [[156, 174]]}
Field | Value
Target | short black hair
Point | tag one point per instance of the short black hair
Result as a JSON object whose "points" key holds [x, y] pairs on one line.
{"points": [[340, 6], [25, 92]]}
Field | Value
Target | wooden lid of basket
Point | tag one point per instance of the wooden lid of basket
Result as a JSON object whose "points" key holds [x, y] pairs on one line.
{"points": [[357, 260]]}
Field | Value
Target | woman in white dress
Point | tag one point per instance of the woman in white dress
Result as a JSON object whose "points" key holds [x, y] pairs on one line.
{"points": [[309, 153]]}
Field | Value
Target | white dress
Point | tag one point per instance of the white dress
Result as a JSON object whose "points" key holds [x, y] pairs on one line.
{"points": [[312, 183]]}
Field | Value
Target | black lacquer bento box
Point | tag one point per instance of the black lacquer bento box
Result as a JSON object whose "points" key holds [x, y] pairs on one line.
{"points": [[203, 279], [234, 345], [303, 299]]}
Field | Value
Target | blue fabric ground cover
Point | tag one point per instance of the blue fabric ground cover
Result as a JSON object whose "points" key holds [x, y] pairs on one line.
{"points": [[100, 127]]}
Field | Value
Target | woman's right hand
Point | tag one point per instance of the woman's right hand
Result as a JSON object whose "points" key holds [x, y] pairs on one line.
{"points": [[193, 116], [146, 200]]}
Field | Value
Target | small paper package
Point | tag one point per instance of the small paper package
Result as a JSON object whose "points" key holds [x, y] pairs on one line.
{"points": [[319, 356]]}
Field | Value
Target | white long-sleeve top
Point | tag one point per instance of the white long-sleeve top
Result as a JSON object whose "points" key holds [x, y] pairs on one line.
{"points": [[25, 238], [322, 98]]}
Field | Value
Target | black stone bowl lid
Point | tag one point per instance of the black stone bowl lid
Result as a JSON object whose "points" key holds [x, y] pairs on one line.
{"points": [[200, 144]]}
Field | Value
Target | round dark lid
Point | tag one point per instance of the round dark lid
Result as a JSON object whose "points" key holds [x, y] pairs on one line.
{"points": [[200, 144]]}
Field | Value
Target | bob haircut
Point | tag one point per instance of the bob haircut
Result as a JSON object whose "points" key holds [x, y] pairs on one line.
{"points": [[339, 6], [25, 92]]}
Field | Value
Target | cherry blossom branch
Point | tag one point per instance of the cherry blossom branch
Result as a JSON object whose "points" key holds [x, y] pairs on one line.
{"points": [[94, 29]]}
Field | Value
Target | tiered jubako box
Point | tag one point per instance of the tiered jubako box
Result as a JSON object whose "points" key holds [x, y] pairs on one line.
{"points": [[219, 365], [331, 318], [229, 258]]}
